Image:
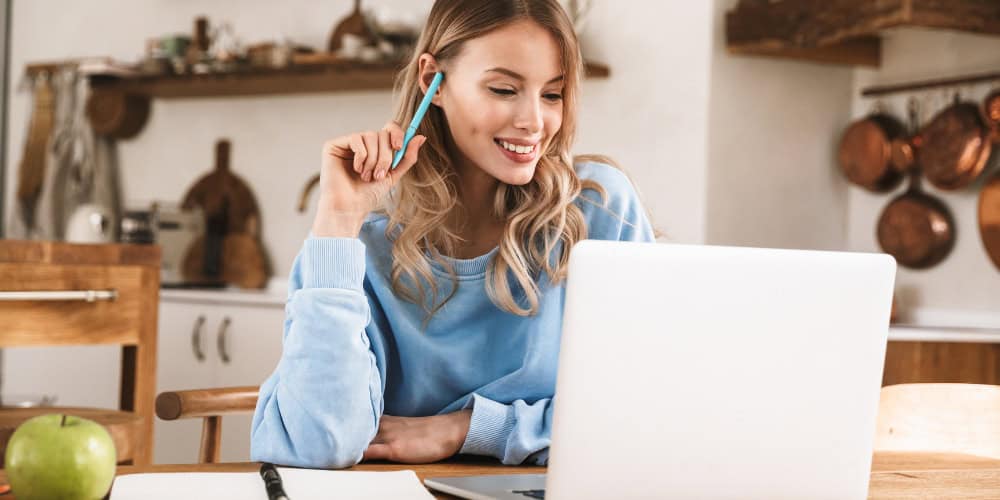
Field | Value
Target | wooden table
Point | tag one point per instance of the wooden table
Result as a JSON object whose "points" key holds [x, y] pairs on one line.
{"points": [[894, 474], [934, 476]]}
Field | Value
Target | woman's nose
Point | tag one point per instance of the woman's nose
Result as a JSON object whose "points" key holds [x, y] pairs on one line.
{"points": [[529, 116]]}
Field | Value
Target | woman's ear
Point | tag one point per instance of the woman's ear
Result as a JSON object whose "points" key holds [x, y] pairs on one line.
{"points": [[428, 66]]}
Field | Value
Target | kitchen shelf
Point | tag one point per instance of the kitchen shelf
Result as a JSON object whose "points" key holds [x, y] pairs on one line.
{"points": [[845, 31], [296, 79]]}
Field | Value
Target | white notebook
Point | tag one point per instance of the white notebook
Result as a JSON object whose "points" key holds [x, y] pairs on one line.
{"points": [[299, 484]]}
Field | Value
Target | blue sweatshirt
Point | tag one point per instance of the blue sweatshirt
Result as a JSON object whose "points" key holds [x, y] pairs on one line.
{"points": [[353, 351]]}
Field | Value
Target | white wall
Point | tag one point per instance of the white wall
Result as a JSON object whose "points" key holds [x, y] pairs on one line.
{"points": [[771, 149], [650, 115], [966, 280], [725, 149]]}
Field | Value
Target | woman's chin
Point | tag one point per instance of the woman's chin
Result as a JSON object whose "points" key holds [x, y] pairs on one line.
{"points": [[519, 178], [519, 175]]}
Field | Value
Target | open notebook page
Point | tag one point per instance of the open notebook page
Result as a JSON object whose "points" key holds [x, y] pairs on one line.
{"points": [[300, 484]]}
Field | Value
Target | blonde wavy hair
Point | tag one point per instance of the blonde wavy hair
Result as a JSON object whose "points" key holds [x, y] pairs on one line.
{"points": [[538, 216]]}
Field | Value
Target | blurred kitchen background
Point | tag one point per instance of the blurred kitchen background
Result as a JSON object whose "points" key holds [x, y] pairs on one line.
{"points": [[738, 142]]}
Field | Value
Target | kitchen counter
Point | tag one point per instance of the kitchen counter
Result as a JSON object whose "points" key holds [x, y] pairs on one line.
{"points": [[925, 333], [272, 296], [277, 290], [947, 325]]}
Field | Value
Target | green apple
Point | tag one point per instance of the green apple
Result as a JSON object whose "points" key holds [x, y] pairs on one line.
{"points": [[60, 457]]}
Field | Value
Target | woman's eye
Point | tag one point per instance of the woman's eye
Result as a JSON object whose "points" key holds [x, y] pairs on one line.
{"points": [[553, 97], [501, 91]]}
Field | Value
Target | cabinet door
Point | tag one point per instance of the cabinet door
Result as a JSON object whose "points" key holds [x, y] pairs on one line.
{"points": [[247, 349], [186, 361]]}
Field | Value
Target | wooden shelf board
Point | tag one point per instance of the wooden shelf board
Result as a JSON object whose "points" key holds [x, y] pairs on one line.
{"points": [[846, 31], [292, 80], [866, 51]]}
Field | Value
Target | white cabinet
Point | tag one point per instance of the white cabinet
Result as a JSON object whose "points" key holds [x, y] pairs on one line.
{"points": [[210, 345]]}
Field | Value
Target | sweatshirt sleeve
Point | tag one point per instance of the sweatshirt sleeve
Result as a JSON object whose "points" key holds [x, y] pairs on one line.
{"points": [[513, 433], [322, 404]]}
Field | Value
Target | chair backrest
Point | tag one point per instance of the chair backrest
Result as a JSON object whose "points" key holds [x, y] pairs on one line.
{"points": [[210, 405], [54, 294], [961, 418]]}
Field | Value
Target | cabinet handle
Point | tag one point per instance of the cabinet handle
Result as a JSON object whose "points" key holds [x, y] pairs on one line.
{"points": [[59, 295], [221, 340], [196, 338]]}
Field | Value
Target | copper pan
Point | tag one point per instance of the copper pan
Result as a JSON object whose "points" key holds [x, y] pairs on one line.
{"points": [[865, 152], [915, 227], [989, 197], [955, 146], [991, 108]]}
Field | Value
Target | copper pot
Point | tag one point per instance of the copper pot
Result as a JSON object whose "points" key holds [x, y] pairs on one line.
{"points": [[989, 197], [989, 219], [955, 146], [991, 108], [865, 152], [116, 114], [916, 228]]}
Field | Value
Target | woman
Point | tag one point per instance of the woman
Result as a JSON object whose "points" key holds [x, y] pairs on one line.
{"points": [[431, 327]]}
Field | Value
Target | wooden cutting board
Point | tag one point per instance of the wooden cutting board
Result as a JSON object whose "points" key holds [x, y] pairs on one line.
{"points": [[31, 171], [230, 251]]}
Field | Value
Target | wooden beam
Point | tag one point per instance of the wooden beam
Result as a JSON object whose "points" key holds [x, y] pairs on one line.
{"points": [[866, 51], [845, 31], [975, 16]]}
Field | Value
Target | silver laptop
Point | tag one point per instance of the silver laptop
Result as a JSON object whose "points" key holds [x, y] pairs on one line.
{"points": [[706, 372]]}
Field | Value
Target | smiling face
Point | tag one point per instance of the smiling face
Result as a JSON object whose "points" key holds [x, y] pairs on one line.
{"points": [[502, 97]]}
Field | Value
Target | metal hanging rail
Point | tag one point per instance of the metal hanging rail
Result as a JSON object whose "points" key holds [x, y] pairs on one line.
{"points": [[879, 90]]}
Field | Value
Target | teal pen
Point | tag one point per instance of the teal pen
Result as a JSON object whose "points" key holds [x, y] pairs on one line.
{"points": [[419, 115]]}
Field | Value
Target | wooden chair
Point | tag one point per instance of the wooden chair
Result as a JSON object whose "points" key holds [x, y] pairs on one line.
{"points": [[61, 294], [210, 404], [962, 418]]}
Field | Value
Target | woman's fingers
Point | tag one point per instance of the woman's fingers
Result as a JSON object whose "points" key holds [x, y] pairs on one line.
{"points": [[371, 153], [385, 154], [395, 141], [409, 158], [357, 145], [371, 145], [395, 135]]}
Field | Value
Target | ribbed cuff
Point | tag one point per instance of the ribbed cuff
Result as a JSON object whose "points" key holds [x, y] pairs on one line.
{"points": [[489, 429], [333, 263]]}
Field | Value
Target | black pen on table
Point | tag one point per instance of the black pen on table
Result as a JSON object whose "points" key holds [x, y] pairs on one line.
{"points": [[272, 482]]}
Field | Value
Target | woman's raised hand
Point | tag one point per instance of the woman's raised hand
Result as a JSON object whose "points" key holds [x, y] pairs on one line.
{"points": [[355, 177]]}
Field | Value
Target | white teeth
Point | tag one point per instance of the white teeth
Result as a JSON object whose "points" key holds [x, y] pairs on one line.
{"points": [[515, 148]]}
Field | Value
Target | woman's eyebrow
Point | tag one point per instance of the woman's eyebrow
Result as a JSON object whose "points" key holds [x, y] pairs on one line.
{"points": [[518, 76]]}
